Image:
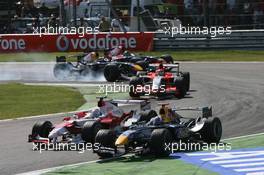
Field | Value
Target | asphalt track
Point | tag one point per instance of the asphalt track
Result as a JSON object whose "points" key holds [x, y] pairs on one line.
{"points": [[235, 90]]}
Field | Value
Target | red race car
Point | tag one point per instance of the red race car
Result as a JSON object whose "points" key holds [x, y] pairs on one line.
{"points": [[163, 79], [83, 126]]}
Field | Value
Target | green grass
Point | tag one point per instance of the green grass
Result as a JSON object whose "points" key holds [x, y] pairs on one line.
{"points": [[17, 100], [152, 166], [29, 57], [235, 55]]}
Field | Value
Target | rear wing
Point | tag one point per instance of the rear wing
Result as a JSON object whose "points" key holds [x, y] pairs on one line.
{"points": [[175, 65], [144, 104], [206, 111], [63, 59]]}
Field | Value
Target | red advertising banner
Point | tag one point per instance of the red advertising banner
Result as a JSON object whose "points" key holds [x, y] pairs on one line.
{"points": [[70, 43]]}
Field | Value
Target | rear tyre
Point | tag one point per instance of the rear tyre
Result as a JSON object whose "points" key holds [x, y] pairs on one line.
{"points": [[212, 130], [186, 77], [158, 141], [147, 115], [111, 72], [167, 58], [62, 71], [42, 129], [106, 138], [133, 84], [89, 131], [181, 87]]}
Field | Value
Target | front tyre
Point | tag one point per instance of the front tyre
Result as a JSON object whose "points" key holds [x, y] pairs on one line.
{"points": [[106, 138], [89, 131], [42, 129], [180, 86], [186, 77], [158, 141]]}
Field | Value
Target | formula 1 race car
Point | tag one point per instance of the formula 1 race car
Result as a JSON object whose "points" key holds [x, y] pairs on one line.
{"points": [[169, 127], [165, 79], [115, 65], [83, 126], [112, 70]]}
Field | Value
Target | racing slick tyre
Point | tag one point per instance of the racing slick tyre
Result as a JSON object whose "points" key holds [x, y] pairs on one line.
{"points": [[106, 138], [212, 130], [133, 84], [42, 129], [180, 85], [62, 71], [89, 131], [147, 115], [186, 77], [158, 141], [111, 72], [167, 58]]}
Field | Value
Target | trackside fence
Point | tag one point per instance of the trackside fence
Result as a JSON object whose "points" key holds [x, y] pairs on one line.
{"points": [[240, 40]]}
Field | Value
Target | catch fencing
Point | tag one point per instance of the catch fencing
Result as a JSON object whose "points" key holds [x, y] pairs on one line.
{"points": [[237, 40]]}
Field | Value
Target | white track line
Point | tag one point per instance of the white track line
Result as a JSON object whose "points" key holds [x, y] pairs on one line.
{"points": [[256, 173], [237, 161], [233, 156], [66, 84], [245, 136], [243, 164], [249, 169], [38, 172], [38, 116], [42, 171], [224, 153]]}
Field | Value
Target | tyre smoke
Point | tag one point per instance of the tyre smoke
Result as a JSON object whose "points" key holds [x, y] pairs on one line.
{"points": [[40, 72]]}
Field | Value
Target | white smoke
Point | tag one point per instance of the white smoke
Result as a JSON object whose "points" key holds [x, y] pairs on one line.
{"points": [[99, 77], [7, 73], [40, 71]]}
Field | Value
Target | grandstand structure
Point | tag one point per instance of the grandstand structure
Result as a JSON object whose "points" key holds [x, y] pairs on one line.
{"points": [[238, 14]]}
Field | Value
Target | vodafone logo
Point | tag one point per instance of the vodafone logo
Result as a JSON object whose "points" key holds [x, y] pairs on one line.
{"points": [[96, 42], [12, 44]]}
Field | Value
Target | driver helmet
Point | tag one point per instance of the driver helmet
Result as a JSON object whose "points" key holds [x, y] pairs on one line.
{"points": [[127, 53], [100, 103], [164, 114], [161, 67], [94, 56]]}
